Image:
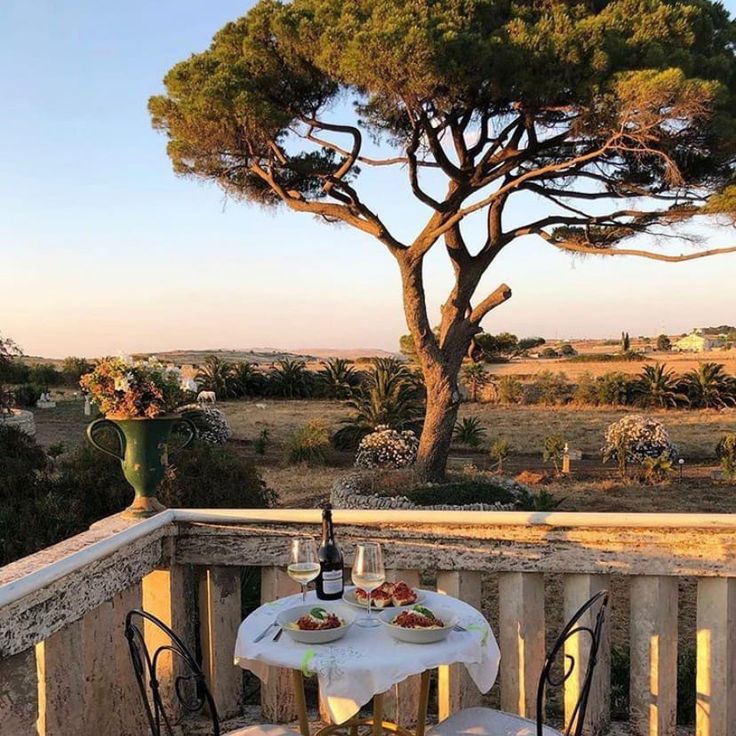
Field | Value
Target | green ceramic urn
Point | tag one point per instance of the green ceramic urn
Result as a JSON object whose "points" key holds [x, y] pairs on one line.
{"points": [[143, 453]]}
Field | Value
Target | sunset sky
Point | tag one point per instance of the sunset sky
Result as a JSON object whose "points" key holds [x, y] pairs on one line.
{"points": [[103, 249]]}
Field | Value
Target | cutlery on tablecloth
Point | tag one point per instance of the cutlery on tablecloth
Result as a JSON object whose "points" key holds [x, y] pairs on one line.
{"points": [[457, 627], [278, 634], [264, 632]]}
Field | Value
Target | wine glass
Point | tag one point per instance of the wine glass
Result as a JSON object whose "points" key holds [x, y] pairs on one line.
{"points": [[368, 574], [303, 563]]}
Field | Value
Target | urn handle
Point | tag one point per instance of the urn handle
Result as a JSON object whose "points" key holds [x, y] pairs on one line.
{"points": [[97, 424], [192, 433]]}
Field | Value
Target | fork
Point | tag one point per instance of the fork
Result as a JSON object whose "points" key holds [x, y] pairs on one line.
{"points": [[457, 627]]}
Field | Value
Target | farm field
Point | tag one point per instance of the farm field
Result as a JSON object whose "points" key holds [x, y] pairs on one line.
{"points": [[593, 487]]}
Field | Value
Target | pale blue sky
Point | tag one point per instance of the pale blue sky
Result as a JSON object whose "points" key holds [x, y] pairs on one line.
{"points": [[103, 249]]}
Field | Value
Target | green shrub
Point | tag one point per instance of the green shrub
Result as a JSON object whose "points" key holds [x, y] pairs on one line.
{"points": [[531, 393], [726, 453], [549, 353], [586, 390], [499, 450], [89, 485], [614, 389], [510, 390], [631, 356], [464, 492], [214, 476], [554, 449], [19, 453], [261, 442], [310, 443], [553, 388], [44, 375], [27, 395], [656, 469], [567, 350]]}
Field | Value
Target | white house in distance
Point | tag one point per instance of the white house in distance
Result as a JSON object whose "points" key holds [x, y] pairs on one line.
{"points": [[697, 342]]}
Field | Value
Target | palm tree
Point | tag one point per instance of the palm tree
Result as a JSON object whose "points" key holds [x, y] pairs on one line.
{"points": [[391, 395], [338, 378], [249, 381], [658, 387], [290, 379], [709, 386], [217, 375], [474, 377]]}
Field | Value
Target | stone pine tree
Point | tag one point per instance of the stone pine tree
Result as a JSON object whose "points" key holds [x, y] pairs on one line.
{"points": [[617, 116]]}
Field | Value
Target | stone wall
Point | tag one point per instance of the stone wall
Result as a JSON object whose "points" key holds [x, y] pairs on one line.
{"points": [[21, 419]]}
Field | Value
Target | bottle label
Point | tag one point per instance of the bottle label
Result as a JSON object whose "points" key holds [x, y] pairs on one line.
{"points": [[332, 581]]}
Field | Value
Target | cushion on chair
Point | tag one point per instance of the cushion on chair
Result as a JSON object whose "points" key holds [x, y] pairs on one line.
{"points": [[488, 722], [264, 729]]}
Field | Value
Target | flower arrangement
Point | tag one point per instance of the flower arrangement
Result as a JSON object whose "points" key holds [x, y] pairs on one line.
{"points": [[125, 390], [387, 448], [635, 438]]}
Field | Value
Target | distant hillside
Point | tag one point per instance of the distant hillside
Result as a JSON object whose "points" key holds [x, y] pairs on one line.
{"points": [[266, 355]]}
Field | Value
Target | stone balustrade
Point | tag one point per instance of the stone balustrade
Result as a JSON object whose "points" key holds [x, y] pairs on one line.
{"points": [[64, 665]]}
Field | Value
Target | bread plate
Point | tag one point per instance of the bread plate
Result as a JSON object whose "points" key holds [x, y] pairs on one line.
{"points": [[349, 597]]}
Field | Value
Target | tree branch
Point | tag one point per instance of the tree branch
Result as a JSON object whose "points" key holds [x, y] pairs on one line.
{"points": [[493, 300]]}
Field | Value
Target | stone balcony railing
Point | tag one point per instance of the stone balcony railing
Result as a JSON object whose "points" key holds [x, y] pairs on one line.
{"points": [[64, 667]]}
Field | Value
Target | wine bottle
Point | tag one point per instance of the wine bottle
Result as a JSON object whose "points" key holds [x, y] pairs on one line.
{"points": [[330, 581]]}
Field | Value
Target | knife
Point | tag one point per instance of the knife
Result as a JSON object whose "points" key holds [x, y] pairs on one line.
{"points": [[264, 632]]}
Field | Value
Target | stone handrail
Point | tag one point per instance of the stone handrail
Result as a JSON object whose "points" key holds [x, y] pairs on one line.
{"points": [[63, 656]]}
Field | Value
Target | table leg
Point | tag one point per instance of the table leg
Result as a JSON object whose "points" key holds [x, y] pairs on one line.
{"points": [[301, 702], [378, 714], [423, 704]]}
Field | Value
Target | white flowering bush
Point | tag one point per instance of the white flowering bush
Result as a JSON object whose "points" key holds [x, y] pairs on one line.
{"points": [[387, 448], [211, 423], [633, 439]]}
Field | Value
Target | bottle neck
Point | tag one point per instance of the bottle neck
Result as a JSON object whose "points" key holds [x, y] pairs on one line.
{"points": [[327, 531]]}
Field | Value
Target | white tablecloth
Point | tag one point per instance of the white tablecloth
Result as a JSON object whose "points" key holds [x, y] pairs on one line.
{"points": [[368, 661]]}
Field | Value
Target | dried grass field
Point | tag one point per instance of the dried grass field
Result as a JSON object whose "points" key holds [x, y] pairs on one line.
{"points": [[593, 486]]}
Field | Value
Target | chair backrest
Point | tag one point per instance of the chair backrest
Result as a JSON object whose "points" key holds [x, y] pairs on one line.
{"points": [[591, 629], [189, 686]]}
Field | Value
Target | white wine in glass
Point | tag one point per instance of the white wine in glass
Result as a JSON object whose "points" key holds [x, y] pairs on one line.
{"points": [[368, 574], [303, 563]]}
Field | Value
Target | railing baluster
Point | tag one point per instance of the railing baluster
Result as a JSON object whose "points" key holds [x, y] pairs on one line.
{"points": [[455, 688], [128, 705], [653, 656], [578, 589], [277, 695], [166, 595], [401, 702], [61, 682], [220, 614], [715, 708], [18, 693], [521, 640]]}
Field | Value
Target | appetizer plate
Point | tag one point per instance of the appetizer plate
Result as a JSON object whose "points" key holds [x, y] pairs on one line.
{"points": [[418, 636], [286, 620], [349, 597]]}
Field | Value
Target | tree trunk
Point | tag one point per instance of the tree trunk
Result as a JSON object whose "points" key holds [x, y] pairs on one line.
{"points": [[443, 402]]}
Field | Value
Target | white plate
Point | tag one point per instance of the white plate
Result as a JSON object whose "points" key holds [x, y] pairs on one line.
{"points": [[349, 597], [314, 637], [418, 636]]}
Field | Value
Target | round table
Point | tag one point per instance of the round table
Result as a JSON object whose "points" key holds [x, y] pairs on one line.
{"points": [[367, 662]]}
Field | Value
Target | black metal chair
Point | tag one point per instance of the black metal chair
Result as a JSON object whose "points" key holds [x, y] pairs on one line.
{"points": [[189, 687], [489, 722]]}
